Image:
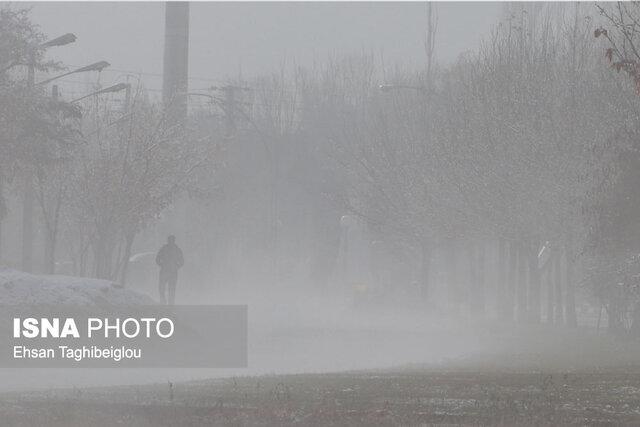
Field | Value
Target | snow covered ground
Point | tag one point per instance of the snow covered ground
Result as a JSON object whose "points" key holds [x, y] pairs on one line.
{"points": [[287, 335], [19, 288]]}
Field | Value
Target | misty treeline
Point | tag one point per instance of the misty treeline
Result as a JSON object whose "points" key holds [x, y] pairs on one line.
{"points": [[98, 172], [504, 180], [502, 185]]}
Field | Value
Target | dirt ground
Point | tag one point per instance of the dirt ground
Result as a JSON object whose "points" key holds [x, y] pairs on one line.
{"points": [[530, 376], [385, 398]]}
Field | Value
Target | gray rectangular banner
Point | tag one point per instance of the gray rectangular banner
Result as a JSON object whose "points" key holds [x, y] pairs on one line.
{"points": [[200, 336]]}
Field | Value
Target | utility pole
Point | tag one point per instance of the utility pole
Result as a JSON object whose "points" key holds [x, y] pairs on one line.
{"points": [[175, 83], [50, 229], [127, 98], [430, 41], [28, 197], [230, 106], [176, 62]]}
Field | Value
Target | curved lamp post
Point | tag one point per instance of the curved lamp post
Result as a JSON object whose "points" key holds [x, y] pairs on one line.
{"points": [[389, 88], [111, 89], [28, 200], [60, 41], [96, 66]]}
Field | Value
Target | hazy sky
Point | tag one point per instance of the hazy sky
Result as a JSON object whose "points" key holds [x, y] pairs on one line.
{"points": [[257, 37]]}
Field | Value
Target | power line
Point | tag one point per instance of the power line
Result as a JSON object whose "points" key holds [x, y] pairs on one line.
{"points": [[86, 83], [144, 73]]}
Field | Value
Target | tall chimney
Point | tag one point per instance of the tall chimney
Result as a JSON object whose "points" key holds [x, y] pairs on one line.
{"points": [[176, 61]]}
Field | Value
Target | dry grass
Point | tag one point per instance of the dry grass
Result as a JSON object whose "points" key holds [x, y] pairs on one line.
{"points": [[350, 399], [533, 377]]}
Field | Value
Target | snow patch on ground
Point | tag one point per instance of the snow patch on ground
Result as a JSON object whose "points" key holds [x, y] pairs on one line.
{"points": [[19, 288]]}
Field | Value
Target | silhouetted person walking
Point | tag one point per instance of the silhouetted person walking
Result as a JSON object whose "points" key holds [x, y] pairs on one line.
{"points": [[170, 260]]}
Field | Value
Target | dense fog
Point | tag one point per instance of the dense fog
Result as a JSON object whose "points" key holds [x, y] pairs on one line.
{"points": [[423, 194]]}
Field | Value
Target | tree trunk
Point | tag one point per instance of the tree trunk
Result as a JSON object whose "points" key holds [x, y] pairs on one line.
{"points": [[559, 315], [79, 257], [534, 284], [27, 225], [50, 253], [471, 277], [635, 321], [512, 280], [452, 276], [478, 303], [570, 314], [501, 288], [550, 290], [103, 253], [425, 267], [3, 214], [614, 319], [98, 262], [522, 283], [125, 259]]}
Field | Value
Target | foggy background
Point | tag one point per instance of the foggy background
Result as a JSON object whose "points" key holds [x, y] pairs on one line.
{"points": [[374, 201], [243, 41], [229, 39]]}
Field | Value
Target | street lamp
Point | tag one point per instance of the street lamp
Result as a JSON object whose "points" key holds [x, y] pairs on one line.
{"points": [[205, 95], [231, 88], [28, 200], [60, 41], [391, 87], [97, 66], [111, 89]]}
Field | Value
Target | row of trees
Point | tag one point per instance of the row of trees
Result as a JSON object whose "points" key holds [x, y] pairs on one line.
{"points": [[501, 171], [506, 178], [101, 174], [517, 144]]}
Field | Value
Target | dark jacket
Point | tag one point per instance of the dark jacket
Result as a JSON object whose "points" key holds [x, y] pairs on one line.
{"points": [[170, 257]]}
